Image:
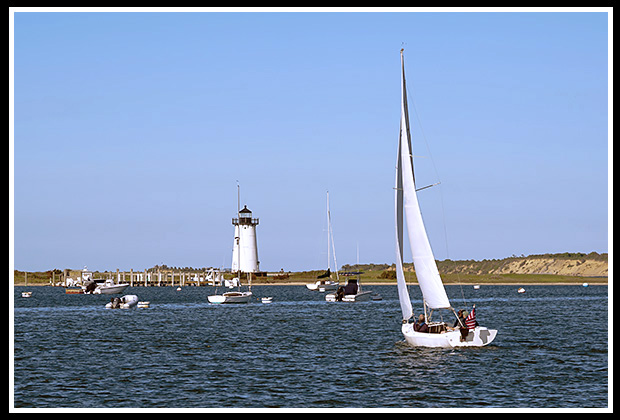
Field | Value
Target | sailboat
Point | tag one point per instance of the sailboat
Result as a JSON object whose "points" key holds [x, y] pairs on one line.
{"points": [[352, 292], [324, 281], [429, 280]]}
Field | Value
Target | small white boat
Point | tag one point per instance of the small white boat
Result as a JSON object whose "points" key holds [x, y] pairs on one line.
{"points": [[323, 286], [179, 289], [104, 287], [144, 304], [26, 294], [521, 290], [230, 297], [585, 285], [125, 302], [111, 288], [232, 283], [268, 299], [352, 292], [476, 286], [376, 296]]}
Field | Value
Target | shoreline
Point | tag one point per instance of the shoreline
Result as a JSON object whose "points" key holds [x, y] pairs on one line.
{"points": [[550, 283]]}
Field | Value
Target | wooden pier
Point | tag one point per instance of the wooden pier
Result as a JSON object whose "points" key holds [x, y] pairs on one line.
{"points": [[149, 278]]}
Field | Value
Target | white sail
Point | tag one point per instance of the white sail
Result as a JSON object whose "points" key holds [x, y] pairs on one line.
{"points": [[423, 259], [403, 293]]}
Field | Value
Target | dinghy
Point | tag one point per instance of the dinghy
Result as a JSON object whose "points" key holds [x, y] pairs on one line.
{"points": [[434, 294], [125, 302]]}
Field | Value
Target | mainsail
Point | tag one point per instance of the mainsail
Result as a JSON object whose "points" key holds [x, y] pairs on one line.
{"points": [[406, 199]]}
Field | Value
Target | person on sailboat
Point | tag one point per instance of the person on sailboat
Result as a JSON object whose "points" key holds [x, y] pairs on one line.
{"points": [[460, 324], [460, 321], [421, 325], [339, 294]]}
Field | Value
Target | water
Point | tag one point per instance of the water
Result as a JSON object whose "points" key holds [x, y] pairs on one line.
{"points": [[300, 351]]}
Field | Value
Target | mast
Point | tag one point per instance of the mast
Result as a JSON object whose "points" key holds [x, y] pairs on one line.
{"points": [[328, 234], [238, 241], [331, 234], [406, 202]]}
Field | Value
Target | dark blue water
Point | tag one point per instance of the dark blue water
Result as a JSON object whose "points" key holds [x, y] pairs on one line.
{"points": [[300, 351]]}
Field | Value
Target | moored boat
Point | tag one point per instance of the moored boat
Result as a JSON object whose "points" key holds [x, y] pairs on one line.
{"points": [[124, 302], [230, 297]]}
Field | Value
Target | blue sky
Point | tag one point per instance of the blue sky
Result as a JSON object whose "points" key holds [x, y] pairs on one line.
{"points": [[132, 129]]}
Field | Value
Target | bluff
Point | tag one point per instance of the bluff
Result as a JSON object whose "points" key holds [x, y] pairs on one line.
{"points": [[565, 264]]}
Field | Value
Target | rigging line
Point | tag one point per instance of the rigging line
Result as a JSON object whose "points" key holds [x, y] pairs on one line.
{"points": [[443, 212]]}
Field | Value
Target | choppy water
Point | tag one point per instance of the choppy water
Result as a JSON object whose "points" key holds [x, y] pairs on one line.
{"points": [[300, 351]]}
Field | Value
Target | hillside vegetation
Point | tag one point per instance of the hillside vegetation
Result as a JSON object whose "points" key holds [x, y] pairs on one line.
{"points": [[568, 267]]}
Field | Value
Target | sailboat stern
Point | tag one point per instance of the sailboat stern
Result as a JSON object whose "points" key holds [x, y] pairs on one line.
{"points": [[478, 337]]}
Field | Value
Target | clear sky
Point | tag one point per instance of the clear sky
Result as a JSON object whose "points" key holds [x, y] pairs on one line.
{"points": [[131, 131]]}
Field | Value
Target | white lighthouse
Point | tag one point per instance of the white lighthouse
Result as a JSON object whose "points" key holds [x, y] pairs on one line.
{"points": [[245, 248]]}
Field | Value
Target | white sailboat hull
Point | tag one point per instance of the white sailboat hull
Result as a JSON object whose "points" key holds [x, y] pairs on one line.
{"points": [[231, 297], [478, 337], [322, 287]]}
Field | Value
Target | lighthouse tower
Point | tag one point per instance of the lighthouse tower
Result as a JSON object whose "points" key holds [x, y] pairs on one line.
{"points": [[245, 249]]}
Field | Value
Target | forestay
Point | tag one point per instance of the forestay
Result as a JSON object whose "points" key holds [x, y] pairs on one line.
{"points": [[406, 198]]}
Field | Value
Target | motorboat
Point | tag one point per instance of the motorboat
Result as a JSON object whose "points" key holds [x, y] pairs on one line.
{"points": [[124, 302], [104, 287], [520, 290], [231, 297], [143, 304], [268, 299], [26, 294], [232, 283], [352, 292]]}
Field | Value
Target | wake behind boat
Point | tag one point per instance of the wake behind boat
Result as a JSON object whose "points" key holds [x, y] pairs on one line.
{"points": [[425, 333]]}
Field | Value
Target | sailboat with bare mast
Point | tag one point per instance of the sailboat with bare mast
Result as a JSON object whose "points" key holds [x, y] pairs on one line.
{"points": [[324, 281], [434, 334]]}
